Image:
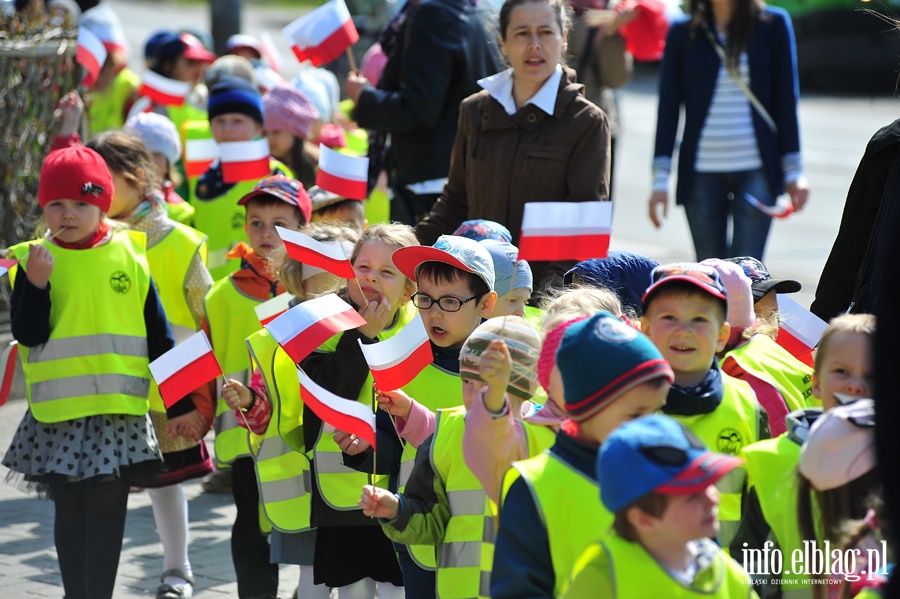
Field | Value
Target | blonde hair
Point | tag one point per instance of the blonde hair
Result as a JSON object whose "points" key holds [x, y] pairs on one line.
{"points": [[396, 235], [560, 306], [290, 271], [864, 324]]}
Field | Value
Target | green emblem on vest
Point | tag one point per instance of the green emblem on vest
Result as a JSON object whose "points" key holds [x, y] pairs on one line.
{"points": [[729, 441], [237, 220], [120, 282]]}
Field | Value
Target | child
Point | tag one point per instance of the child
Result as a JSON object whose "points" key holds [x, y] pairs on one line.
{"points": [[160, 136], [512, 279], [230, 319], [341, 463], [88, 324], [330, 207], [290, 120], [837, 475], [658, 479], [843, 367], [685, 311], [623, 273], [235, 114], [175, 254], [611, 374], [765, 288], [444, 505]]}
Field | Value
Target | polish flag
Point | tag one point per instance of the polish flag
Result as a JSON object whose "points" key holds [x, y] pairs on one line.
{"points": [[308, 325], [323, 34], [271, 309], [397, 360], [5, 265], [244, 160], [91, 54], [199, 154], [185, 367], [329, 256], [344, 175], [270, 52], [783, 207], [800, 329], [8, 370], [346, 415], [162, 90], [565, 230]]}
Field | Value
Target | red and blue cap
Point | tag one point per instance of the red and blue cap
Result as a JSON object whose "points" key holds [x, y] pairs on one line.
{"points": [[656, 454], [705, 278], [286, 189]]}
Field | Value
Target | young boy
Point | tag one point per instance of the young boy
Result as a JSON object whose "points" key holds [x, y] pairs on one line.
{"points": [[328, 206], [230, 319], [444, 505], [657, 478], [549, 513], [685, 311], [513, 281], [235, 114]]}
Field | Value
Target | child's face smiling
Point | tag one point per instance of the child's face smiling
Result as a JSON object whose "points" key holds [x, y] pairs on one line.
{"points": [[846, 368], [378, 276], [261, 222], [451, 329], [688, 330], [72, 221]]}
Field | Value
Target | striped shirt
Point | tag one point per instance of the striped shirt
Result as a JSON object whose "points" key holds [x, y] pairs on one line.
{"points": [[728, 141]]}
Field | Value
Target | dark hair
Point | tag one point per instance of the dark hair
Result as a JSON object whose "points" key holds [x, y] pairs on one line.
{"points": [[652, 504], [561, 9], [265, 200], [302, 163], [683, 288], [126, 155], [739, 27], [443, 273]]}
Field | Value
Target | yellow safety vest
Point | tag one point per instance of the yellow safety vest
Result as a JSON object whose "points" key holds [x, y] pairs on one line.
{"points": [[223, 221], [181, 213], [193, 130], [231, 318], [570, 509], [283, 474], [107, 108], [733, 425], [635, 573], [184, 113], [771, 469], [339, 485], [766, 360], [95, 361], [534, 316]]}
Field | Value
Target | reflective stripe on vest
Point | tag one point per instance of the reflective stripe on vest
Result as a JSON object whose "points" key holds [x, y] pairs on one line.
{"points": [[231, 318], [771, 466], [339, 485], [567, 502], [765, 359], [635, 573], [466, 552], [95, 360], [733, 425]]}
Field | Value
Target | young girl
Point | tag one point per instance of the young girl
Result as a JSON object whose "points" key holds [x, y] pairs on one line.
{"points": [[844, 364], [292, 124], [176, 256], [340, 464], [265, 407], [89, 321]]}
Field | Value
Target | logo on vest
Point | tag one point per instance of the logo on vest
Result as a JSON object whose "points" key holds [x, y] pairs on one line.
{"points": [[729, 441], [237, 220], [120, 282]]}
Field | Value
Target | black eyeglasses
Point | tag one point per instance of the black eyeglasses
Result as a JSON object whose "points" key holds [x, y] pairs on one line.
{"points": [[448, 303]]}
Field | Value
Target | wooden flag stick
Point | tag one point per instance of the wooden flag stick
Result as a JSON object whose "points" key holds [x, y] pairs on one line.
{"points": [[351, 60]]}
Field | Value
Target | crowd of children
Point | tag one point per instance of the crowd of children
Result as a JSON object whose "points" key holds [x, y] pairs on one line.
{"points": [[638, 433]]}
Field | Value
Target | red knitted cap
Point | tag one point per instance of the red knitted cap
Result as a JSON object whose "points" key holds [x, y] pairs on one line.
{"points": [[76, 173]]}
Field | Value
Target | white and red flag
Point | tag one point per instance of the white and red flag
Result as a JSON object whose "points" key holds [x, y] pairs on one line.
{"points": [[783, 207], [303, 328], [185, 367], [5, 265], [244, 160], [800, 329], [346, 415], [565, 230], [323, 34], [397, 360], [162, 90], [199, 154], [91, 54], [326, 255], [8, 370], [347, 176], [271, 309]]}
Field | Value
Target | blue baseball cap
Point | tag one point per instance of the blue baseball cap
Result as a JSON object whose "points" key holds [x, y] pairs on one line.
{"points": [[509, 273], [463, 253], [705, 278], [481, 229], [656, 454]]}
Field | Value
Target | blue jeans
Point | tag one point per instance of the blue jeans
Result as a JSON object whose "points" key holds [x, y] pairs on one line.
{"points": [[417, 583], [718, 196]]}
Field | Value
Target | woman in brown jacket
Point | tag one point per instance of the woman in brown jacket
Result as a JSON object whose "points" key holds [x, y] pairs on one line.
{"points": [[529, 136]]}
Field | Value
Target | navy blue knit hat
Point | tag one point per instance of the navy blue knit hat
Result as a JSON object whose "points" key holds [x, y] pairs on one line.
{"points": [[233, 94], [600, 358]]}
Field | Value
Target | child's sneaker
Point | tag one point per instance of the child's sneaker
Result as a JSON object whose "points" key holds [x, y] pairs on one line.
{"points": [[218, 482]]}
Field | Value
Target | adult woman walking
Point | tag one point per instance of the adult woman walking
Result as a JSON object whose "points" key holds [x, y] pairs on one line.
{"points": [[529, 135], [732, 64]]}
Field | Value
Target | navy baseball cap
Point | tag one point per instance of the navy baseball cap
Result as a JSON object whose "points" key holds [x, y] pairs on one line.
{"points": [[706, 278]]}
